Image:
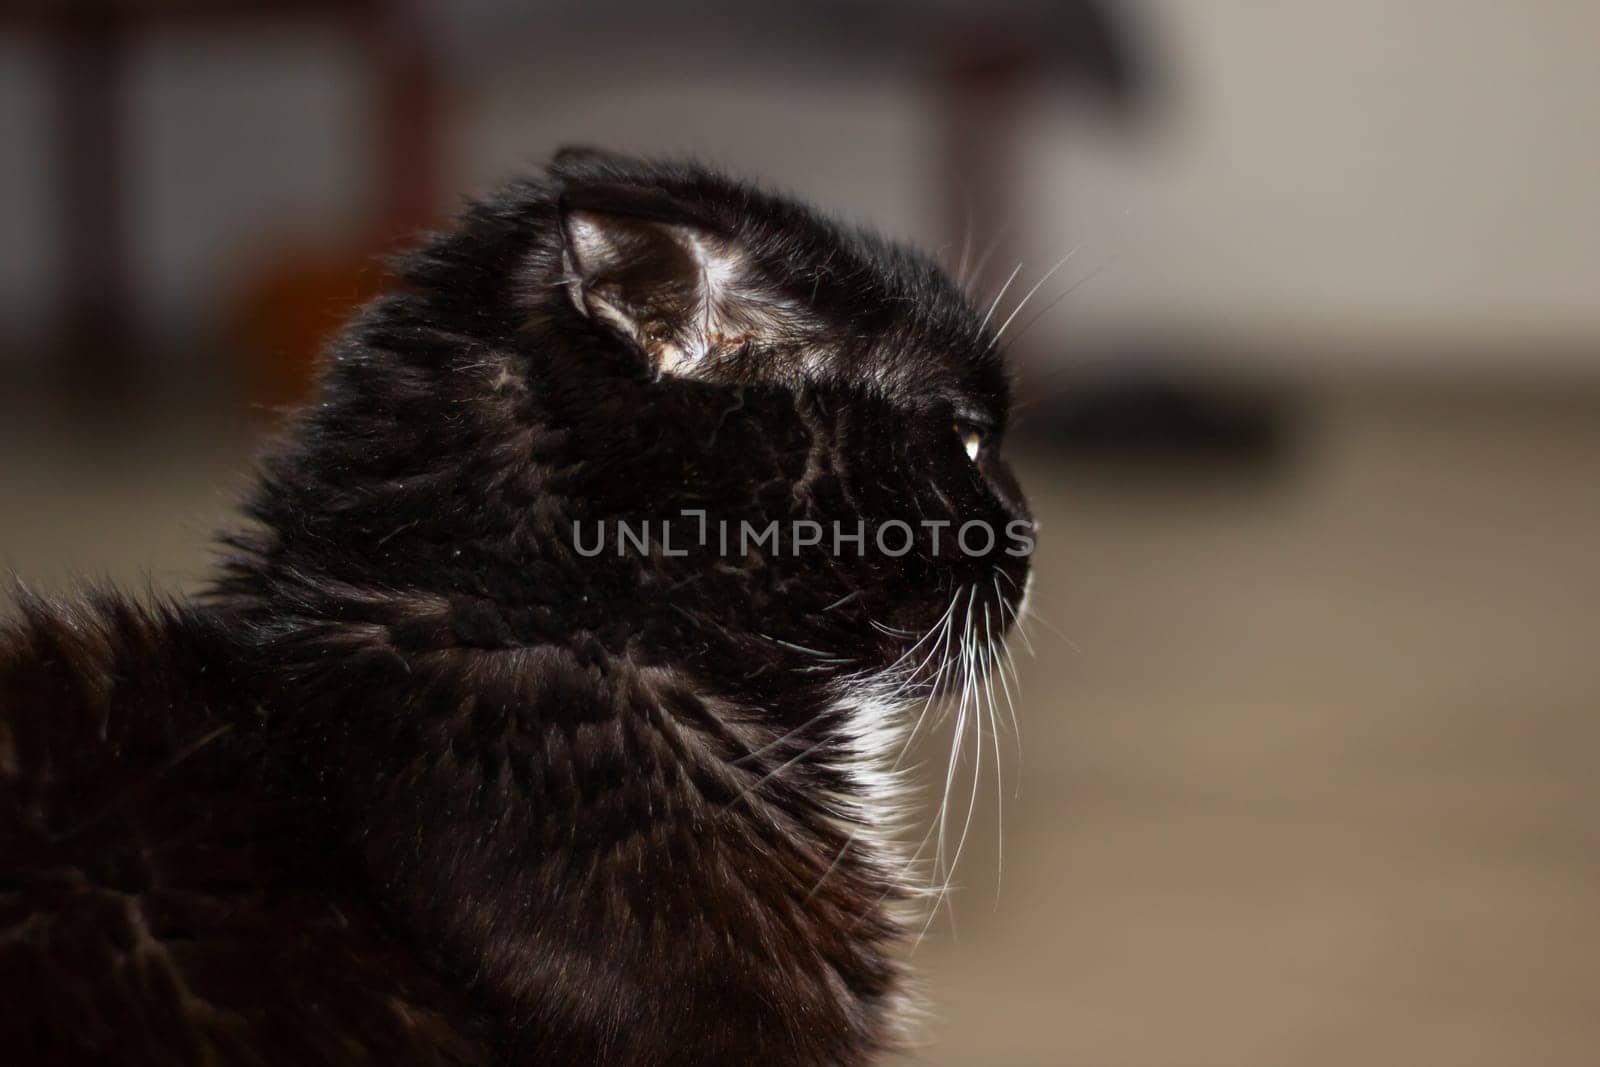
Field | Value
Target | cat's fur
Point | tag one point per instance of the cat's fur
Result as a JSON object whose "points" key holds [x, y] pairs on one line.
{"points": [[419, 782]]}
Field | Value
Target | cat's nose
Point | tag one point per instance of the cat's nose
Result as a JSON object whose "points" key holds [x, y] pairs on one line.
{"points": [[1005, 487]]}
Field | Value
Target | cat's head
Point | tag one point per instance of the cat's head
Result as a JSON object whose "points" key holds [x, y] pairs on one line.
{"points": [[647, 411]]}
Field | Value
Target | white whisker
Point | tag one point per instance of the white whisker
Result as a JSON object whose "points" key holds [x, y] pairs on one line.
{"points": [[1074, 287], [1062, 262], [779, 769], [966, 241], [989, 250], [1053, 628], [997, 297], [933, 687], [999, 775]]}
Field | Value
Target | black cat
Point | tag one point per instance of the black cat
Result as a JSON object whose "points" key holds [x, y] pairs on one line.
{"points": [[549, 711]]}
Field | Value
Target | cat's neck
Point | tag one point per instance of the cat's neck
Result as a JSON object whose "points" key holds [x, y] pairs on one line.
{"points": [[538, 813]]}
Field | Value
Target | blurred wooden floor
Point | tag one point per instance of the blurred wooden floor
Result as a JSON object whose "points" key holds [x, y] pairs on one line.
{"points": [[1319, 786]]}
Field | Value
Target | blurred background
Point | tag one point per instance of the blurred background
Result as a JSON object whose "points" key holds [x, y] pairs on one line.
{"points": [[1311, 417]]}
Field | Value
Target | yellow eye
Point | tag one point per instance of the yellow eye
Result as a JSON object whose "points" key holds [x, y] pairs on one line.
{"points": [[971, 438]]}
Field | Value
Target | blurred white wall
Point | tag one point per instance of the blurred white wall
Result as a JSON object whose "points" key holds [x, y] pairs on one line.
{"points": [[1424, 172]]}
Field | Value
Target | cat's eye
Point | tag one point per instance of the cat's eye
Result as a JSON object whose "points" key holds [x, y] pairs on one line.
{"points": [[971, 438]]}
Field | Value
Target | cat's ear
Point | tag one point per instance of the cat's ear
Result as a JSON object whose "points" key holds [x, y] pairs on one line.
{"points": [[637, 263], [577, 158]]}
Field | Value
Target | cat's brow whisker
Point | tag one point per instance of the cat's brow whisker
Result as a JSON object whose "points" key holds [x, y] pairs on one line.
{"points": [[989, 250], [997, 298], [1062, 262], [966, 239], [1022, 331]]}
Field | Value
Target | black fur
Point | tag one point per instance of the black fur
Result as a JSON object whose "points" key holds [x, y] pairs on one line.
{"points": [[419, 782]]}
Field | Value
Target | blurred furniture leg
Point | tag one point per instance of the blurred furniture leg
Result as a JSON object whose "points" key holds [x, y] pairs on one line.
{"points": [[408, 121], [88, 64]]}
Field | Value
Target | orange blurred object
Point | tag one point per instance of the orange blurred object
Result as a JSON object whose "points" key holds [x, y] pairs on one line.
{"points": [[295, 305]]}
